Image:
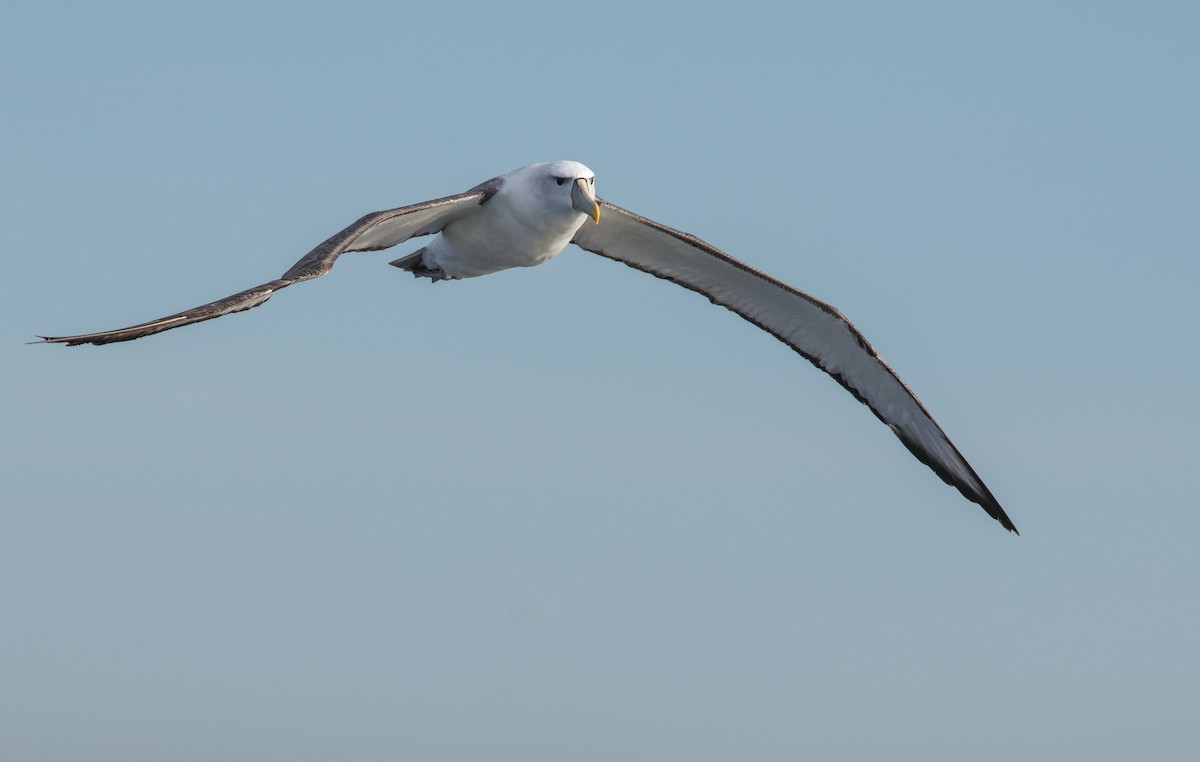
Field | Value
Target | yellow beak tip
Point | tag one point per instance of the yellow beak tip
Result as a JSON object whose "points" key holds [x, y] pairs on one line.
{"points": [[596, 212]]}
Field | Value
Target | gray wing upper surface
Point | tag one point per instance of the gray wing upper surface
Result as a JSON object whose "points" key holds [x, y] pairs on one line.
{"points": [[816, 330], [378, 230]]}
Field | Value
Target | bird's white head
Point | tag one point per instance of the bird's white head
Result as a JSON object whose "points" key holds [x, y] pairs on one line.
{"points": [[567, 185]]}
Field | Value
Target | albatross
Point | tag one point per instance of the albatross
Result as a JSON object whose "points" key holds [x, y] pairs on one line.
{"points": [[529, 215]]}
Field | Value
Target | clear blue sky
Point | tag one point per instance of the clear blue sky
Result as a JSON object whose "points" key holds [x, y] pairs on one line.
{"points": [[572, 512]]}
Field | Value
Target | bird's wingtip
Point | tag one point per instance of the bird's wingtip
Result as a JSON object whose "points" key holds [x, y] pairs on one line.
{"points": [[70, 341], [999, 515]]}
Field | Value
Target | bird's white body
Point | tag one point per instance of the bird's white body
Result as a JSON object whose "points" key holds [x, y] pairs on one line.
{"points": [[527, 222]]}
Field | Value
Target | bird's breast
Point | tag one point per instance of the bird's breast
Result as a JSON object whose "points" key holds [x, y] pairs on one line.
{"points": [[498, 238]]}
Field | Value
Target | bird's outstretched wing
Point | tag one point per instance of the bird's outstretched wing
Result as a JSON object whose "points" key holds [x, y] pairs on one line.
{"points": [[378, 230], [816, 330]]}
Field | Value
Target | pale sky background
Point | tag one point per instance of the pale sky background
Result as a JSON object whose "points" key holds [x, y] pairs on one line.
{"points": [[574, 512]]}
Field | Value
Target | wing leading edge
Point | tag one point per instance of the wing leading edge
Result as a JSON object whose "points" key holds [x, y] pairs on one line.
{"points": [[818, 331]]}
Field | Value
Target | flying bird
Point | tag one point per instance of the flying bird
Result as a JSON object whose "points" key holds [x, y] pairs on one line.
{"points": [[529, 215]]}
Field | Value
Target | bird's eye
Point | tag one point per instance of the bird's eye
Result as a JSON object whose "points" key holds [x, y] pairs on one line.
{"points": [[560, 180]]}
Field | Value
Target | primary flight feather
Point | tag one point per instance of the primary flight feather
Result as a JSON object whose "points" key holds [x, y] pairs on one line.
{"points": [[529, 215]]}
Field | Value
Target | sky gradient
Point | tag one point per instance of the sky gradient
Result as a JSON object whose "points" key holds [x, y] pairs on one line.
{"points": [[573, 512]]}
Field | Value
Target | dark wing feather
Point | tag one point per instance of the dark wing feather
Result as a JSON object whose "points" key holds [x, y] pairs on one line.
{"points": [[378, 230], [816, 330]]}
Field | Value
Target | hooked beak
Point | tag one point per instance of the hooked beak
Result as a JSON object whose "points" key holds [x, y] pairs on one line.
{"points": [[583, 199]]}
